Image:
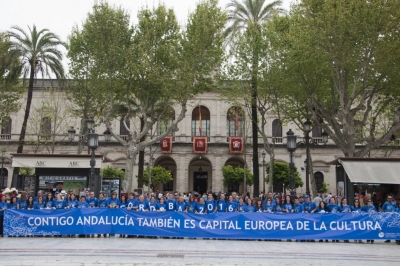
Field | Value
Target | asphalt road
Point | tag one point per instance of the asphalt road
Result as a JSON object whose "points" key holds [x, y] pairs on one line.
{"points": [[147, 251]]}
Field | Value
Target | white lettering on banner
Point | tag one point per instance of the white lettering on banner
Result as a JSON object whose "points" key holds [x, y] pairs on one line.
{"points": [[167, 223], [105, 220], [219, 225], [268, 225], [50, 221]]}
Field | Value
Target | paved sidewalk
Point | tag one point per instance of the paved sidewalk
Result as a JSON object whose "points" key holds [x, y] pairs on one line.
{"points": [[146, 251]]}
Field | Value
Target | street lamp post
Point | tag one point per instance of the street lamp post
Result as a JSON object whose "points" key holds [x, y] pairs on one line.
{"points": [[263, 154], [291, 146], [151, 160], [93, 143], [307, 129]]}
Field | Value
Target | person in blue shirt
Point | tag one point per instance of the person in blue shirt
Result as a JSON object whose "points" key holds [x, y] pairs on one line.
{"points": [[235, 197], [268, 206], [30, 203], [369, 208], [83, 203], [132, 202], [39, 194], [72, 203], [249, 206], [142, 205], [231, 205], [58, 203], [113, 202], [123, 203], [297, 206], [102, 202], [22, 201], [269, 197], [152, 204], [332, 206], [287, 206], [3, 207], [259, 206], [278, 205], [356, 207], [161, 206], [92, 200], [40, 204], [322, 208], [192, 204], [210, 204], [389, 205], [240, 206], [201, 207], [13, 205], [221, 205], [181, 205], [49, 201], [171, 203], [344, 207], [309, 206]]}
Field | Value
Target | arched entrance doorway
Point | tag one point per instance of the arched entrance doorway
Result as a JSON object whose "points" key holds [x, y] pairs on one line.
{"points": [[200, 175], [170, 165]]}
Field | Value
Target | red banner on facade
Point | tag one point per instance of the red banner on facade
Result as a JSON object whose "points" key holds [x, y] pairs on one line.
{"points": [[166, 144], [200, 144], [235, 144]]}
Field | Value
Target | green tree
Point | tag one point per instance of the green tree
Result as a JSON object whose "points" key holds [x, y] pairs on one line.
{"points": [[97, 52], [341, 55], [159, 175], [246, 18], [10, 88], [37, 53], [111, 172], [282, 175], [234, 177]]}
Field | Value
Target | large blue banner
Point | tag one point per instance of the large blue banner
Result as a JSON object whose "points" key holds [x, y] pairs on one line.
{"points": [[338, 226]]}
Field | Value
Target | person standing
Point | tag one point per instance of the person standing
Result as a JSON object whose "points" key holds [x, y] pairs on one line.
{"points": [[389, 206], [210, 204]]}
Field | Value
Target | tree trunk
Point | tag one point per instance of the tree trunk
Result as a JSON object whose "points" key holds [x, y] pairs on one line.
{"points": [[141, 158], [271, 172], [21, 139]]}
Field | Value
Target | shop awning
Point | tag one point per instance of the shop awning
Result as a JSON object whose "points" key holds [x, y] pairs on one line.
{"points": [[370, 171], [55, 160]]}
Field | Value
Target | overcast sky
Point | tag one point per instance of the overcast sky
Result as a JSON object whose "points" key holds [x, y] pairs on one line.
{"points": [[59, 16]]}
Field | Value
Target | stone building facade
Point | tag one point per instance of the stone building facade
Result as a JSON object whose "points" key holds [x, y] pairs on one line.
{"points": [[190, 171]]}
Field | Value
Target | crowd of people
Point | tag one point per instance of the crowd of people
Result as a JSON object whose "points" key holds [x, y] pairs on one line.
{"points": [[192, 203]]}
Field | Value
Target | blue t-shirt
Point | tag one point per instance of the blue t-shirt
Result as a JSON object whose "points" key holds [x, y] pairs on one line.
{"points": [[40, 206], [22, 204], [288, 207], [201, 208], [278, 208], [3, 205], [72, 204], [102, 203], [221, 206], [333, 208], [181, 206], [113, 202], [192, 207], [231, 206], [355, 209], [92, 202], [49, 204], [345, 208], [240, 207], [59, 204], [171, 205], [210, 204], [389, 207], [161, 207], [132, 203], [123, 205], [309, 207], [153, 206], [83, 204], [249, 208], [369, 209], [142, 206], [298, 208]]}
